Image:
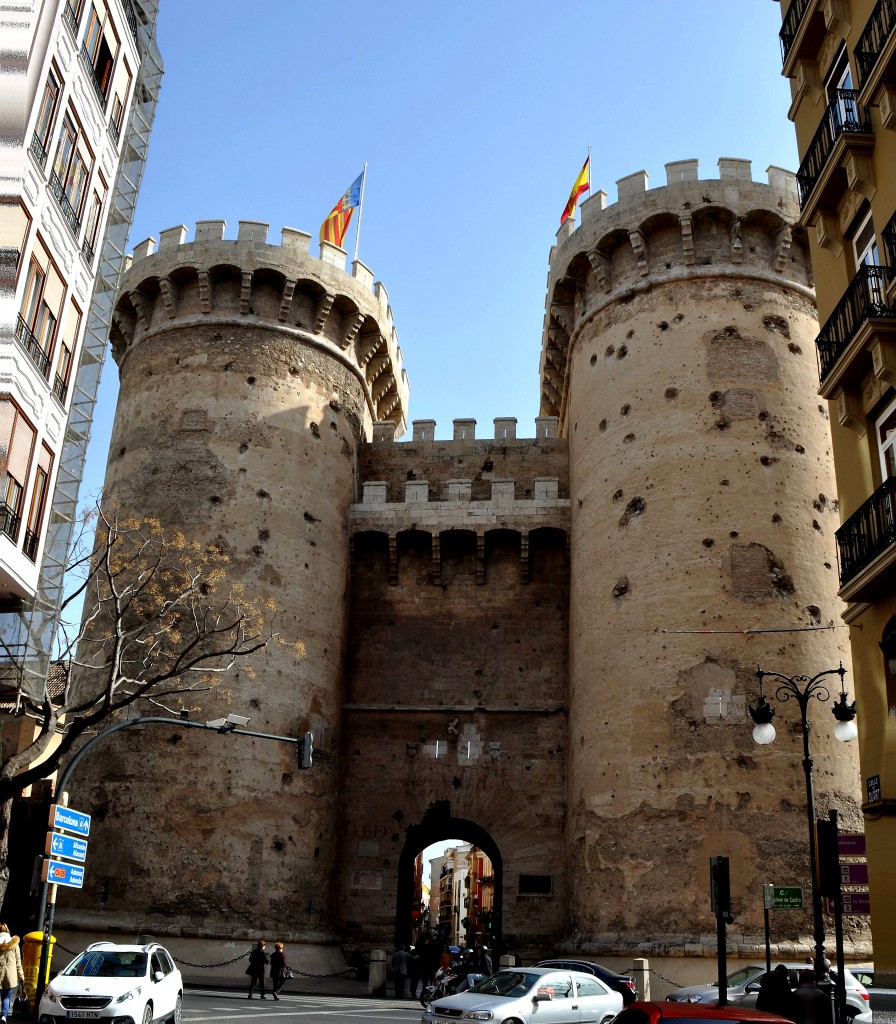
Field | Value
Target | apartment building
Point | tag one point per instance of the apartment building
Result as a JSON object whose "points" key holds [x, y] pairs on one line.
{"points": [[840, 57], [79, 89]]}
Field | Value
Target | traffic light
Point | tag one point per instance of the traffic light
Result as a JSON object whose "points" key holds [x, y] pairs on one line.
{"points": [[305, 750], [720, 887], [827, 854]]}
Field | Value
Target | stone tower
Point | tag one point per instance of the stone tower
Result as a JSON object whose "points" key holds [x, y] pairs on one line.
{"points": [[250, 374], [678, 355]]}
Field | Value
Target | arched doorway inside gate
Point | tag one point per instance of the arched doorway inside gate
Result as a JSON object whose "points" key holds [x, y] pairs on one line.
{"points": [[438, 826]]}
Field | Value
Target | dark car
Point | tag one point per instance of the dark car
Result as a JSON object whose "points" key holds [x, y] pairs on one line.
{"points": [[693, 1013], [622, 983]]}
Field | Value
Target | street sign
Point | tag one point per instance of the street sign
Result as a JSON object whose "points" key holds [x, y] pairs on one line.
{"points": [[787, 897], [872, 788], [851, 845], [853, 903], [69, 820], [69, 847], [59, 873], [853, 874]]}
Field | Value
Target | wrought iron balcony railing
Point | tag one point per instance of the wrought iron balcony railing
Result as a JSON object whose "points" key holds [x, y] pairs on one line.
{"points": [[60, 389], [70, 19], [114, 132], [9, 522], [131, 17], [868, 532], [30, 545], [865, 297], [38, 151], [844, 115], [791, 25], [31, 345], [87, 252], [874, 38], [68, 211], [888, 236], [90, 71]]}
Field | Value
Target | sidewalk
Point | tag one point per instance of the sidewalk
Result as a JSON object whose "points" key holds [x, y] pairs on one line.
{"points": [[305, 985]]}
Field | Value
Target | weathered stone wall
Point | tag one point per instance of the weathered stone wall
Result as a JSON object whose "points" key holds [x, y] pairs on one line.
{"points": [[703, 511], [239, 418], [457, 685]]}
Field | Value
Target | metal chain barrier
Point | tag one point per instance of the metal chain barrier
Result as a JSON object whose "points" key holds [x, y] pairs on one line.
{"points": [[224, 963], [662, 977]]}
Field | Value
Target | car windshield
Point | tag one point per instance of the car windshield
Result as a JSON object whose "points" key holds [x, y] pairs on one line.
{"points": [[507, 983], [98, 963], [744, 975]]}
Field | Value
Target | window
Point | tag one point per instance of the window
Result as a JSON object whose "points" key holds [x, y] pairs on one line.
{"points": [[841, 97], [589, 987], [70, 172], [45, 117], [72, 14], [60, 385], [94, 216], [36, 323], [17, 438], [864, 244], [535, 885], [38, 503], [886, 441], [98, 52]]}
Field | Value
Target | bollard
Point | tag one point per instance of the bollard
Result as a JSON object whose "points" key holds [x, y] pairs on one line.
{"points": [[32, 945], [376, 980], [641, 975]]}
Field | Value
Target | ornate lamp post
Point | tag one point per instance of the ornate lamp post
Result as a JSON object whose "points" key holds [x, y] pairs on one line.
{"points": [[803, 689]]}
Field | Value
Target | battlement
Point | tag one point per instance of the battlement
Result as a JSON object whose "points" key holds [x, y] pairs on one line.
{"points": [[465, 429], [284, 287], [725, 227]]}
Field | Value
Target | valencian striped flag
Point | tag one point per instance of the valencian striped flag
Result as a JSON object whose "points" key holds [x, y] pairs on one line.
{"points": [[335, 226], [583, 184]]}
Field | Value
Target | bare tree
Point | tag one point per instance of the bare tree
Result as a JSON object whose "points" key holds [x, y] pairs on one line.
{"points": [[161, 621]]}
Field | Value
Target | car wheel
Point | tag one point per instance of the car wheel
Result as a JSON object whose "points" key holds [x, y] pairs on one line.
{"points": [[147, 1014], [177, 1012]]}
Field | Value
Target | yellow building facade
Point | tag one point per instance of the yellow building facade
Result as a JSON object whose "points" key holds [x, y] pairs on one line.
{"points": [[840, 57]]}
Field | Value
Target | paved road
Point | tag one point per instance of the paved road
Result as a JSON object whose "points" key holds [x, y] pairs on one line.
{"points": [[208, 1006]]}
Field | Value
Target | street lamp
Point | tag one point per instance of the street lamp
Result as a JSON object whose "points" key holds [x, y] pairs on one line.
{"points": [[803, 689]]}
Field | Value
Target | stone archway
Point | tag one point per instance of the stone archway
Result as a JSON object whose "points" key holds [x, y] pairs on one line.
{"points": [[438, 825]]}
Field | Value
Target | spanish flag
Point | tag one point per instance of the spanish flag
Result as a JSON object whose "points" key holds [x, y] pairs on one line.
{"points": [[583, 184], [335, 226]]}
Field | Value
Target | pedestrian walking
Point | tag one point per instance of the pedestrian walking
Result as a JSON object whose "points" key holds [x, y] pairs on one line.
{"points": [[11, 974], [278, 969], [258, 960], [812, 1005], [400, 970], [414, 968], [775, 995]]}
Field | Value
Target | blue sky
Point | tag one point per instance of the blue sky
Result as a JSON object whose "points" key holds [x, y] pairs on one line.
{"points": [[474, 118]]}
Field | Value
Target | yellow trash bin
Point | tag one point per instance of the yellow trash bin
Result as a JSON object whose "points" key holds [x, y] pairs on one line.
{"points": [[33, 943]]}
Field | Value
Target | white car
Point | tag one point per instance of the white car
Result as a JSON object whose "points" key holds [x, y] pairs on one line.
{"points": [[530, 995], [130, 984]]}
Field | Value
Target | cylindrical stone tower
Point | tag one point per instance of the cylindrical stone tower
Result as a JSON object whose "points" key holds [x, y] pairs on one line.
{"points": [[250, 373], [679, 355]]}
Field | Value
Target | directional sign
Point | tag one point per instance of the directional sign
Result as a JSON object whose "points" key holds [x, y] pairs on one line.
{"points": [[69, 820], [853, 874], [853, 903], [787, 897], [69, 847], [851, 845], [60, 873]]}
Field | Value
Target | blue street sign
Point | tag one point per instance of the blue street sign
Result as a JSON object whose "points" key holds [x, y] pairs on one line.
{"points": [[60, 873], [70, 821], [69, 847]]}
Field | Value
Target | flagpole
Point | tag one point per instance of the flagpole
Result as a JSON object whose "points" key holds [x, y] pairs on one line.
{"points": [[589, 172], [360, 208]]}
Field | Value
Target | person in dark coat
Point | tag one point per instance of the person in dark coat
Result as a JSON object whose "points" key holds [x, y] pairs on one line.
{"points": [[414, 967], [258, 960], [278, 966], [813, 1005], [775, 995]]}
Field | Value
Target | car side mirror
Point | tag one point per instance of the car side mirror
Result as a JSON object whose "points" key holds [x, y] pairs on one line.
{"points": [[158, 976], [753, 987], [542, 997]]}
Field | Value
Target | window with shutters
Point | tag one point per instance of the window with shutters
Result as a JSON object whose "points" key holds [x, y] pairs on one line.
{"points": [[40, 141], [38, 503], [36, 322], [94, 217], [71, 171], [17, 438], [98, 49]]}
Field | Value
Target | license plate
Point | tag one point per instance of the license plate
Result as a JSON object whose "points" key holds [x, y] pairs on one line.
{"points": [[443, 1020], [89, 1014]]}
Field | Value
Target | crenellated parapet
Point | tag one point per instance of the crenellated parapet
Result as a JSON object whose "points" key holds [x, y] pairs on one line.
{"points": [[730, 226], [283, 287]]}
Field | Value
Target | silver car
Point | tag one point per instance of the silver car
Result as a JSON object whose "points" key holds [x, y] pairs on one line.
{"points": [[530, 995], [743, 988]]}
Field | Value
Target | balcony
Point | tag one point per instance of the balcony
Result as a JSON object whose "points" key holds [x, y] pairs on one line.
{"points": [[802, 34], [32, 346], [114, 132], [68, 212], [845, 129], [60, 389], [861, 319], [791, 26], [38, 151], [30, 546], [70, 19], [87, 252], [131, 17], [875, 51], [9, 522], [90, 72], [866, 545]]}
